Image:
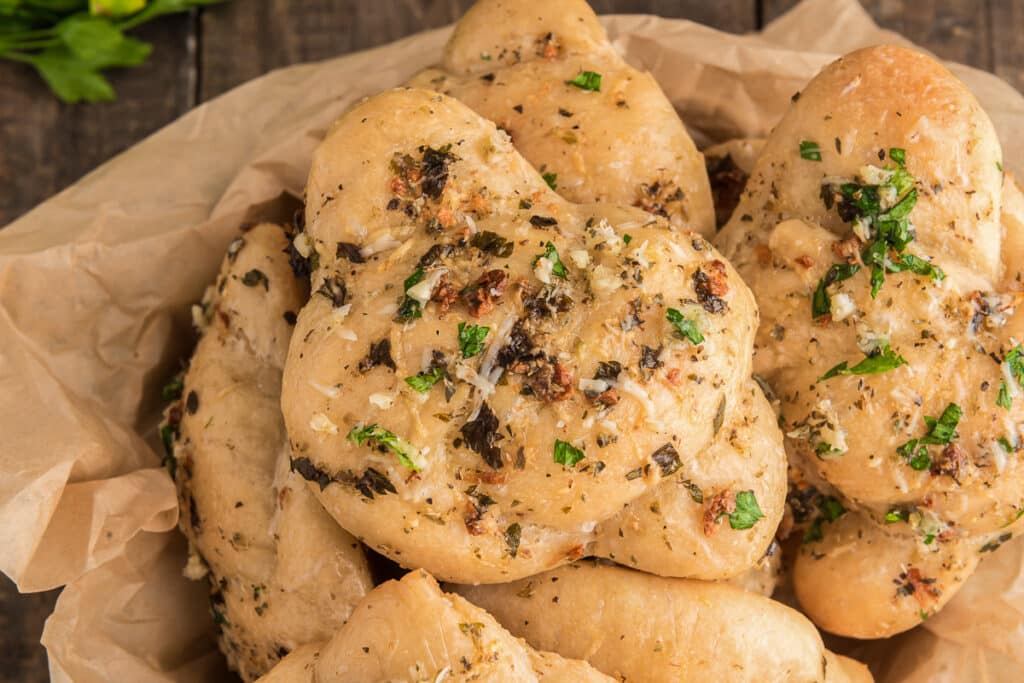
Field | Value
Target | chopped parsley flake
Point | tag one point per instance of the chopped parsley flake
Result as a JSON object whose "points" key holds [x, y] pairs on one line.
{"points": [[423, 381], [173, 389], [513, 534], [627, 238], [566, 454], [397, 445], [747, 511], [471, 339], [894, 516], [557, 267], [551, 179], [830, 509], [686, 327], [821, 302], [1015, 364], [1004, 400], [881, 359], [587, 80], [941, 431], [410, 308], [879, 208], [810, 151]]}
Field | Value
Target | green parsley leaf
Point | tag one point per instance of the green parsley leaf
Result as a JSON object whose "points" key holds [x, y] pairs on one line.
{"points": [[916, 265], [167, 434], [999, 165], [627, 238], [471, 339], [557, 267], [747, 512], [566, 454], [1015, 363], [98, 43], [405, 451], [821, 302], [881, 360], [70, 79], [1004, 400], [551, 179], [810, 151], [686, 327], [894, 516], [172, 390], [831, 508], [423, 381], [898, 154], [410, 308], [1007, 446], [941, 431], [587, 80]]}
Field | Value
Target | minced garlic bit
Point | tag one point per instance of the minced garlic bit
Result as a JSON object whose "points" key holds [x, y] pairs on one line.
{"points": [[543, 269], [322, 424], [422, 290], [842, 306], [195, 569], [580, 257], [382, 400], [303, 245]]}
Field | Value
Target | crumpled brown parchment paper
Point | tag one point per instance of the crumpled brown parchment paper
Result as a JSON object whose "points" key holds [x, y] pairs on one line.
{"points": [[95, 287]]}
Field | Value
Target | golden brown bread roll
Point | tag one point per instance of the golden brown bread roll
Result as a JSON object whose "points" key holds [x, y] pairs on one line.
{"points": [[638, 627], [600, 130], [409, 630], [281, 572], [484, 365], [870, 229]]}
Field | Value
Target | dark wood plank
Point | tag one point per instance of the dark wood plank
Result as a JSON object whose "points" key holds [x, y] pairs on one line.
{"points": [[281, 32], [952, 29], [736, 16], [22, 659], [45, 145], [1006, 21]]}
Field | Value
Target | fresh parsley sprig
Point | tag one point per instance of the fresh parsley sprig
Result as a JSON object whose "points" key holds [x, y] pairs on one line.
{"points": [[70, 43]]}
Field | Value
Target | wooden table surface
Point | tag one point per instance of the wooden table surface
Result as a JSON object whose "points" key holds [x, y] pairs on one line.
{"points": [[45, 146]]}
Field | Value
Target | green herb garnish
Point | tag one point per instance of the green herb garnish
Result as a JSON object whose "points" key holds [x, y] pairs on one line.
{"points": [[70, 43], [899, 155], [821, 302], [1004, 400], [747, 512], [626, 239], [941, 431], [471, 339], [881, 359], [566, 454], [810, 151], [551, 179], [894, 516], [423, 381], [410, 308], [557, 267], [397, 445], [172, 390], [587, 80], [686, 327]]}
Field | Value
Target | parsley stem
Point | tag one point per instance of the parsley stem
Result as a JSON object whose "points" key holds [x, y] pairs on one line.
{"points": [[18, 57]]}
